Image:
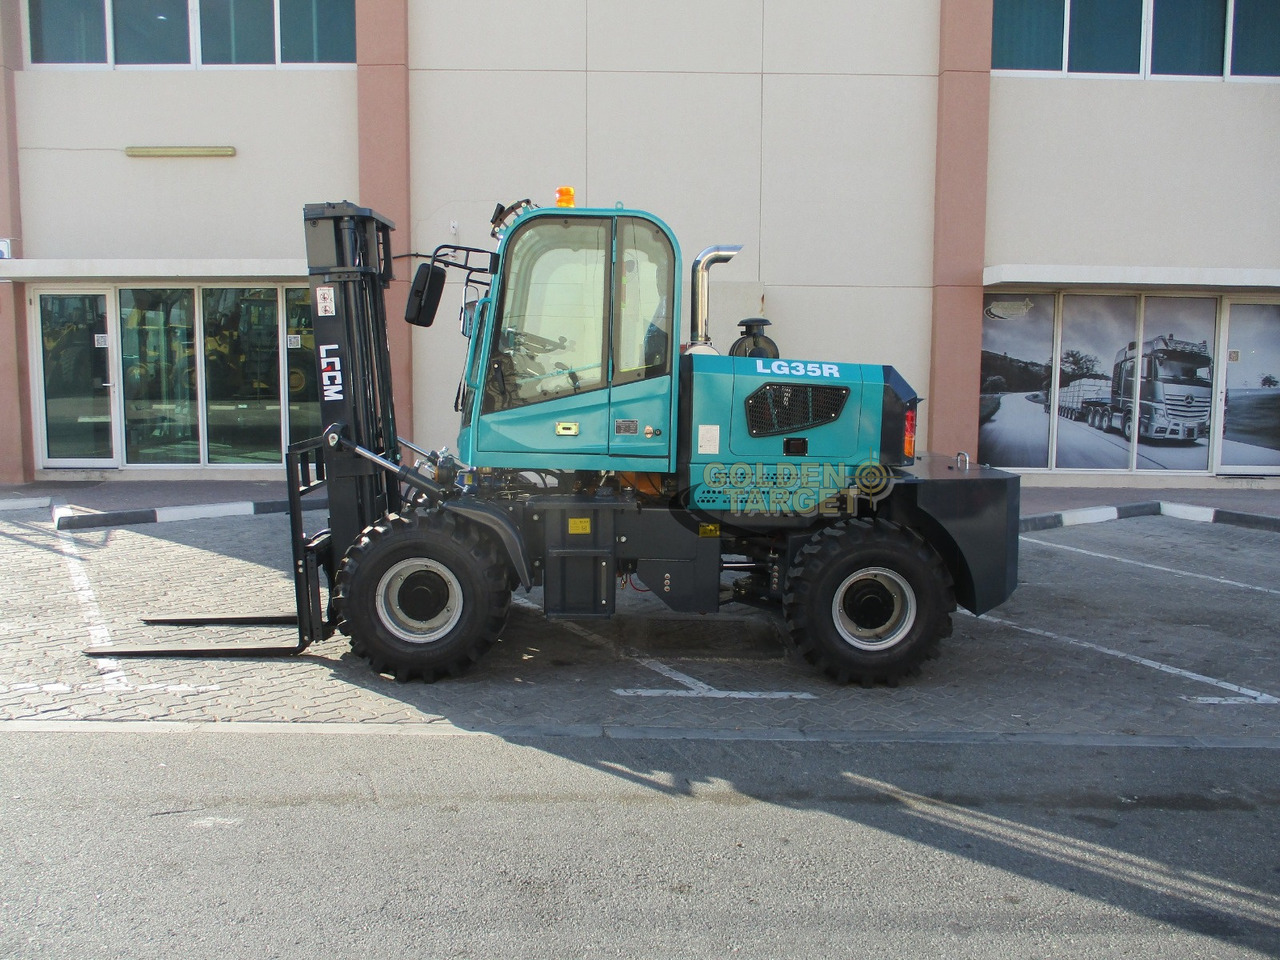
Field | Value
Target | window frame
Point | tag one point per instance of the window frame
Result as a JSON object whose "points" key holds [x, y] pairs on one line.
{"points": [[1145, 56], [112, 289], [1144, 329], [520, 294], [195, 61]]}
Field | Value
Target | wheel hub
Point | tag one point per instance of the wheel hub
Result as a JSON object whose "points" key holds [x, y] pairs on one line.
{"points": [[874, 608], [423, 595], [419, 600]]}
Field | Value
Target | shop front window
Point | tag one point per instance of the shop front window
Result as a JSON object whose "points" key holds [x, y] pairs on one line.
{"points": [[1134, 382], [1017, 362], [1095, 382], [157, 352], [242, 374], [1176, 383], [300, 366], [74, 359], [1251, 417]]}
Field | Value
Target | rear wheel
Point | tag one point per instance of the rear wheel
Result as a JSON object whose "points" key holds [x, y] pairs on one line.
{"points": [[422, 596], [867, 603]]}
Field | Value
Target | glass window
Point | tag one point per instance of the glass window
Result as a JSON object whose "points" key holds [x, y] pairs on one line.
{"points": [[1188, 37], [77, 395], [1176, 382], [68, 31], [317, 31], [151, 31], [157, 348], [645, 284], [159, 31], [550, 334], [237, 31], [1255, 44], [1027, 35], [1105, 36], [1095, 381], [1017, 362], [300, 365], [1251, 418], [242, 375]]}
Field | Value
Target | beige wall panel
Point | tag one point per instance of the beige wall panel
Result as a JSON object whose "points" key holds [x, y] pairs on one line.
{"points": [[1133, 173], [710, 36], [685, 147], [497, 34], [482, 138], [852, 37], [83, 198], [855, 325], [439, 353], [848, 180]]}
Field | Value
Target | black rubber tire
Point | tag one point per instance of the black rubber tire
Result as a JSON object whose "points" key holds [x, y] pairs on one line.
{"points": [[422, 596], [868, 602]]}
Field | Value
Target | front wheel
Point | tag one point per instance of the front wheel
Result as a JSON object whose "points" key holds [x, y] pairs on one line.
{"points": [[422, 596], [867, 603]]}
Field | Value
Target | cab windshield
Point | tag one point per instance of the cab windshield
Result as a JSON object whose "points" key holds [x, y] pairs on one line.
{"points": [[1188, 370], [550, 336]]}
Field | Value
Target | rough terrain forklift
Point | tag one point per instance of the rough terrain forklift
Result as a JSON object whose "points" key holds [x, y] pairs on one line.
{"points": [[602, 440]]}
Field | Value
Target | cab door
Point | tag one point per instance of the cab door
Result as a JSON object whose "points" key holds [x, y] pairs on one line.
{"points": [[643, 338], [543, 397], [577, 363]]}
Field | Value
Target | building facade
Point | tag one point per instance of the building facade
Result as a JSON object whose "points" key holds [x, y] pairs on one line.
{"points": [[1057, 218]]}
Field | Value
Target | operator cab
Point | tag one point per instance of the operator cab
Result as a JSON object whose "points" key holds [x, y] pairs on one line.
{"points": [[570, 361]]}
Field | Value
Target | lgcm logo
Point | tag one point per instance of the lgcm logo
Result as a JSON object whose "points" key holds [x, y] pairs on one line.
{"points": [[330, 372]]}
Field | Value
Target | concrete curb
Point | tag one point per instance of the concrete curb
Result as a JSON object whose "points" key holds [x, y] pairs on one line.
{"points": [[65, 518], [1148, 508], [34, 503]]}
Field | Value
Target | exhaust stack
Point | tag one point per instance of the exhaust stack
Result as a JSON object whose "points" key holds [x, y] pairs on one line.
{"points": [[698, 333]]}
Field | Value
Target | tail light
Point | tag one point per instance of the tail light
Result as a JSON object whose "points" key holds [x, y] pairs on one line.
{"points": [[909, 434]]}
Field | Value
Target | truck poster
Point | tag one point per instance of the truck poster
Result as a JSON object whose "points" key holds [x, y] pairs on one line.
{"points": [[1134, 378], [1251, 422]]}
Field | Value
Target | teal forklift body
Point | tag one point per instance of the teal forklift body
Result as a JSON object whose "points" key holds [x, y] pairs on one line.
{"points": [[778, 436]]}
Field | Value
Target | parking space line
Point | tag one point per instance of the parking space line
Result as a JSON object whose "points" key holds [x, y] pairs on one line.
{"points": [[109, 669], [696, 688], [1243, 694], [691, 687], [1153, 566]]}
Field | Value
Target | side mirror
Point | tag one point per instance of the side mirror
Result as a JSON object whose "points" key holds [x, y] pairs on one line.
{"points": [[424, 295], [468, 319]]}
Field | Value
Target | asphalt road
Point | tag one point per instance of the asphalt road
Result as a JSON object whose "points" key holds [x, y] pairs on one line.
{"points": [[1089, 771], [293, 845]]}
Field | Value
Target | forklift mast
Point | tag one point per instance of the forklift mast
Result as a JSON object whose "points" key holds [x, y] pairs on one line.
{"points": [[349, 263]]}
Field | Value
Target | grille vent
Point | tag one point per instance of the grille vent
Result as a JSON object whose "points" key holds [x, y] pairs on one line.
{"points": [[789, 408]]}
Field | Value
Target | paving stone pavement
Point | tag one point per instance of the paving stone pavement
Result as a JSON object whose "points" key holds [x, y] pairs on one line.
{"points": [[1067, 657]]}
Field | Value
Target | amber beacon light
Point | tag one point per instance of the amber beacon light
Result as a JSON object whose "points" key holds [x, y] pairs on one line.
{"points": [[564, 197]]}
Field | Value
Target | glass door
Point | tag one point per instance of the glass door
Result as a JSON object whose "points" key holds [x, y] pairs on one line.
{"points": [[77, 390], [1250, 391]]}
